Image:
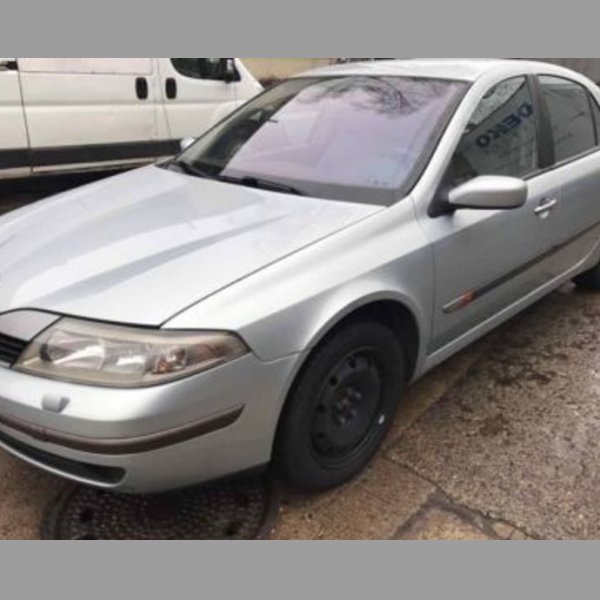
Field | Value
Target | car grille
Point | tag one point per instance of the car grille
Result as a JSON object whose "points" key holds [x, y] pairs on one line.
{"points": [[10, 349]]}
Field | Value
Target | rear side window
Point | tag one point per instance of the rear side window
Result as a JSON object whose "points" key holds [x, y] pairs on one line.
{"points": [[569, 108], [501, 138], [199, 68]]}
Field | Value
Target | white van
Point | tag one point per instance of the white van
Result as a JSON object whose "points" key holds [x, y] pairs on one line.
{"points": [[68, 114]]}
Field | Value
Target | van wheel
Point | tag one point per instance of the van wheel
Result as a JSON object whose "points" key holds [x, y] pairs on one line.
{"points": [[341, 407], [590, 280]]}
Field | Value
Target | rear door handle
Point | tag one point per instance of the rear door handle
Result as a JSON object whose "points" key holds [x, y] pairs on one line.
{"points": [[546, 207], [141, 88]]}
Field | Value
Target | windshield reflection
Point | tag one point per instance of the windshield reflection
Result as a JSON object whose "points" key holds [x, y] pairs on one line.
{"points": [[349, 138]]}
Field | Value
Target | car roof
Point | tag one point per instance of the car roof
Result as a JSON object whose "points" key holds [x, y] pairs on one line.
{"points": [[464, 69]]}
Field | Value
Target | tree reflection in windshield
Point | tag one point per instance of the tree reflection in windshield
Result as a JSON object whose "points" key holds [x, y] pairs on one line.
{"points": [[350, 138], [388, 96]]}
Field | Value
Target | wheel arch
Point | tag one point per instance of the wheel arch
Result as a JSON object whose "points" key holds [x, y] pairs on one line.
{"points": [[390, 311], [394, 313]]}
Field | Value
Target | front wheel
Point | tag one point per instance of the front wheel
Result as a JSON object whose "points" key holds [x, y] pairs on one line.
{"points": [[341, 407]]}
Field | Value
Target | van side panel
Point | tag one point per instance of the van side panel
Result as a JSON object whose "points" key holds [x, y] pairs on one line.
{"points": [[86, 111], [14, 146], [106, 66], [68, 114]]}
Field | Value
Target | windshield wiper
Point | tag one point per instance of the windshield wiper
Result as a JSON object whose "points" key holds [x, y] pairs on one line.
{"points": [[263, 184], [248, 181], [189, 169]]}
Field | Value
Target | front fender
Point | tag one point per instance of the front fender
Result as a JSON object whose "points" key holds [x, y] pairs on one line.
{"points": [[287, 308], [345, 302]]}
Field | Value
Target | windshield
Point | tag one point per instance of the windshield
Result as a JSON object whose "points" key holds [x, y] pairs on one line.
{"points": [[361, 139]]}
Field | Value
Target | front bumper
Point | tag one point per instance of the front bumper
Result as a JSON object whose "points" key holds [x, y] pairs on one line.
{"points": [[191, 431]]}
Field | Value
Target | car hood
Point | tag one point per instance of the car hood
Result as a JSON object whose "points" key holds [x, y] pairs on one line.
{"points": [[142, 246]]}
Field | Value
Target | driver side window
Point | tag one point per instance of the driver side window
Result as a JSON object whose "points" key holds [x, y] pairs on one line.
{"points": [[501, 138], [200, 68]]}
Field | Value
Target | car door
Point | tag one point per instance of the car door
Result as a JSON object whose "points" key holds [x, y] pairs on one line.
{"points": [[89, 111], [486, 260], [574, 119], [195, 92], [14, 145]]}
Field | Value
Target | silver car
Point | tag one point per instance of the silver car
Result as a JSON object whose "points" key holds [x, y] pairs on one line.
{"points": [[264, 297]]}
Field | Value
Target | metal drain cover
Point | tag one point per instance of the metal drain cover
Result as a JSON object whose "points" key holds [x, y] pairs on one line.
{"points": [[238, 510]]}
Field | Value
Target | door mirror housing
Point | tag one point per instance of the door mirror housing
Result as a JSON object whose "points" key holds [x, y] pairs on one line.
{"points": [[229, 70], [185, 143], [489, 192]]}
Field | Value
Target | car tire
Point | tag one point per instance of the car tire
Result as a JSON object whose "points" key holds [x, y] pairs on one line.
{"points": [[590, 280], [340, 407]]}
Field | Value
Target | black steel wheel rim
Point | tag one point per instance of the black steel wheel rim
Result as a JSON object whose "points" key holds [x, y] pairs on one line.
{"points": [[348, 408]]}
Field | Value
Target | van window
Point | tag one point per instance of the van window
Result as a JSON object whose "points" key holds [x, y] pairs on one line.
{"points": [[106, 66], [199, 68], [501, 137], [570, 113]]}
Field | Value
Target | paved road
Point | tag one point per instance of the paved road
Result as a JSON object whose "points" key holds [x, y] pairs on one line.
{"points": [[501, 442]]}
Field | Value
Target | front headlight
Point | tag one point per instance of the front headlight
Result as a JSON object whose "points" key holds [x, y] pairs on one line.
{"points": [[111, 355]]}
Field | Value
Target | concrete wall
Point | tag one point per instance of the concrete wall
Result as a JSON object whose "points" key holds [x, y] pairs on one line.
{"points": [[266, 68]]}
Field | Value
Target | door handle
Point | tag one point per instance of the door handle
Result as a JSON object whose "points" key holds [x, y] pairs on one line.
{"points": [[9, 65], [546, 207], [171, 88], [141, 88]]}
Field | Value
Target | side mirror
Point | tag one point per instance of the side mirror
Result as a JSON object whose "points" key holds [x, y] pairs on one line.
{"points": [[489, 192], [229, 71], [185, 143]]}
